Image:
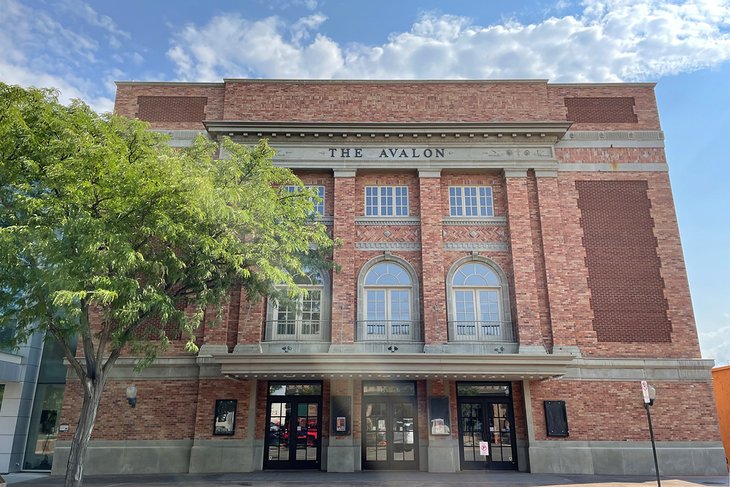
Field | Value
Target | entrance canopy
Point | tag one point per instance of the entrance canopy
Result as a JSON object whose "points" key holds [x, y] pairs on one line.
{"points": [[394, 366]]}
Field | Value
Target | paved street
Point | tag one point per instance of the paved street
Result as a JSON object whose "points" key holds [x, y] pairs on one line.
{"points": [[404, 479]]}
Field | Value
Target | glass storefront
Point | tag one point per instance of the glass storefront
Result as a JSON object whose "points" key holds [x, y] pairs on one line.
{"points": [[294, 418], [486, 434], [47, 403], [389, 425]]}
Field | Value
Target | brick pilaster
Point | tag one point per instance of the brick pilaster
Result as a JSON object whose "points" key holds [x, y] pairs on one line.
{"points": [[562, 325], [432, 249], [523, 262], [344, 280]]}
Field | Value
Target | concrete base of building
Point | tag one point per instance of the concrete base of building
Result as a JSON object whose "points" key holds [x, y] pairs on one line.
{"points": [[627, 457], [443, 456], [105, 457], [218, 456], [342, 455]]}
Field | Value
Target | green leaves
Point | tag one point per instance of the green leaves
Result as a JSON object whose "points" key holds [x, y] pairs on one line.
{"points": [[104, 227]]}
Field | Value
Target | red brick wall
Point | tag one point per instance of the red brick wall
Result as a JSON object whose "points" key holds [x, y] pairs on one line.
{"points": [[166, 410], [627, 292], [523, 258], [348, 101], [212, 389], [127, 103], [432, 252], [171, 108], [684, 342], [645, 106], [601, 109], [608, 155], [343, 280], [614, 410]]}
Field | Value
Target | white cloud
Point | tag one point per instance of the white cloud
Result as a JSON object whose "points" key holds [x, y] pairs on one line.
{"points": [[612, 40], [716, 345], [37, 49]]}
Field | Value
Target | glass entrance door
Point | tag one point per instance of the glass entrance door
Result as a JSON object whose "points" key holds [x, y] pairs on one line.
{"points": [[390, 437], [486, 421], [294, 433]]}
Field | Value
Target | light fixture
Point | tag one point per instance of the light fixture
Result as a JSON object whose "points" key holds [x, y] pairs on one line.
{"points": [[132, 395], [393, 349]]}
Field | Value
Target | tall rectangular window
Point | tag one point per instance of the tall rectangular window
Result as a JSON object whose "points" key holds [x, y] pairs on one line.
{"points": [[319, 190], [386, 200], [473, 201]]}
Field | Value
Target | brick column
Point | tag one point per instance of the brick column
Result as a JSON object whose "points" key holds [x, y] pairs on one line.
{"points": [[562, 325], [432, 259], [344, 281], [523, 262]]}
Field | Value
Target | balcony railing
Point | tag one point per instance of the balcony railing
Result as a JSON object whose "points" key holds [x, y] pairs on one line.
{"points": [[295, 329], [481, 331], [389, 330]]}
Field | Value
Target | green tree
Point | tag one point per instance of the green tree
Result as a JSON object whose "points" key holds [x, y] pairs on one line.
{"points": [[103, 226]]}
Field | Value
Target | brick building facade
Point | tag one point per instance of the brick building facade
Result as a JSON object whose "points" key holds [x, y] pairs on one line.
{"points": [[510, 270]]}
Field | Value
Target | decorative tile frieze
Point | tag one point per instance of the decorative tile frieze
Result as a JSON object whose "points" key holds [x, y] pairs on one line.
{"points": [[468, 222], [477, 246], [381, 221], [387, 246]]}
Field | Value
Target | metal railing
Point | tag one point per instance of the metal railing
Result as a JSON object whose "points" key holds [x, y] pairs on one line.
{"points": [[481, 331], [379, 330], [295, 329]]}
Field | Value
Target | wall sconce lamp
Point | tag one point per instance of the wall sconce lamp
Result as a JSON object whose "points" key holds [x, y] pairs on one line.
{"points": [[132, 395], [393, 349]]}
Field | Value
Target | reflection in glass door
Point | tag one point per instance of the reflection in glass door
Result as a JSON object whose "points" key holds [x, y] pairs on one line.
{"points": [[389, 433], [294, 433]]}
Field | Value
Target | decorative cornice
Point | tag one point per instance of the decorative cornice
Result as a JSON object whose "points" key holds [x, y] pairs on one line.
{"points": [[325, 220], [612, 138], [477, 246], [387, 246], [388, 221], [492, 221], [550, 128]]}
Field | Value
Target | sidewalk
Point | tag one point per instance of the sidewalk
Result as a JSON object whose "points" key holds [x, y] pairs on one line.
{"points": [[400, 479]]}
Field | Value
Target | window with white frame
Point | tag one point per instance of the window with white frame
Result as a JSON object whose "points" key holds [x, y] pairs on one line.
{"points": [[299, 317], [388, 293], [473, 201], [476, 297], [386, 200], [319, 190]]}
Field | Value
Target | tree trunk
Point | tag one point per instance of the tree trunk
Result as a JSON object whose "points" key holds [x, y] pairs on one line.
{"points": [[92, 396]]}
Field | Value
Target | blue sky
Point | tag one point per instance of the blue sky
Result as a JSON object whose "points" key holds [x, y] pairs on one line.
{"points": [[82, 47]]}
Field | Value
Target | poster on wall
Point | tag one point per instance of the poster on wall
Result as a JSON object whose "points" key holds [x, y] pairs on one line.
{"points": [[225, 417]]}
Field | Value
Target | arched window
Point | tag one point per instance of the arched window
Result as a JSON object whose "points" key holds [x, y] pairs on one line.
{"points": [[388, 294], [479, 306], [300, 317]]}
